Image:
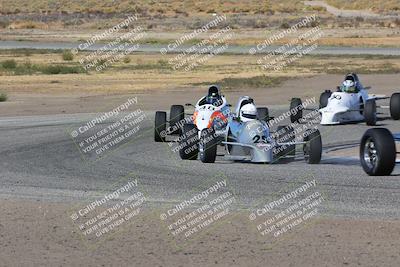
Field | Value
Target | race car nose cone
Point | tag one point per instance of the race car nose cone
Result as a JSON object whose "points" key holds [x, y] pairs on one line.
{"points": [[328, 118]]}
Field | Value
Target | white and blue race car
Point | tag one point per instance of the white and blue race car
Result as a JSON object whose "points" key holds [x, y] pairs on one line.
{"points": [[248, 138]]}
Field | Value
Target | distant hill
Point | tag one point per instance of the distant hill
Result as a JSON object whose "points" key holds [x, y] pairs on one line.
{"points": [[186, 7]]}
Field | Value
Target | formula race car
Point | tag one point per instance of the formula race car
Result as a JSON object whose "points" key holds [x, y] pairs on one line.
{"points": [[378, 151], [248, 138], [211, 110], [350, 103]]}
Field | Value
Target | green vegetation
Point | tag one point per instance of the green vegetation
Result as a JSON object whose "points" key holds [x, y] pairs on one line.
{"points": [[9, 64], [27, 68], [127, 60], [67, 55], [3, 97]]}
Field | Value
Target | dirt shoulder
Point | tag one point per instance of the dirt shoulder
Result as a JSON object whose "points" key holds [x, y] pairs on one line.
{"points": [[38, 233], [24, 100]]}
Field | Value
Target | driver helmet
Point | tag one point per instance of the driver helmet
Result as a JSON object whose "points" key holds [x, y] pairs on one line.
{"points": [[348, 86], [248, 112], [213, 96]]}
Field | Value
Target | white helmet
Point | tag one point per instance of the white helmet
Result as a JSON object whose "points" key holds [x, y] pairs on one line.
{"points": [[348, 86], [248, 112]]}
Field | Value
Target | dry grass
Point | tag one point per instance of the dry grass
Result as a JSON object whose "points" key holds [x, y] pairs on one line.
{"points": [[149, 72], [375, 5], [188, 7]]}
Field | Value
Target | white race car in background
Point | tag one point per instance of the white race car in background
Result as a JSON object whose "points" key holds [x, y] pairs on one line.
{"points": [[251, 139], [378, 151], [350, 103]]}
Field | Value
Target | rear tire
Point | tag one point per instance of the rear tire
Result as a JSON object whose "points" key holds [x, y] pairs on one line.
{"points": [[323, 99], [370, 112], [189, 142], [176, 116], [395, 106], [160, 125], [263, 114], [208, 146], [296, 110], [378, 152], [313, 147]]}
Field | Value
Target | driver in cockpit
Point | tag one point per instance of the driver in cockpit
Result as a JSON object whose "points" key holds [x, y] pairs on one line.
{"points": [[213, 97], [351, 84]]}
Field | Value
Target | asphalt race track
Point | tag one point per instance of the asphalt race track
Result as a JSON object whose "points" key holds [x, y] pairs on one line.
{"points": [[39, 160]]}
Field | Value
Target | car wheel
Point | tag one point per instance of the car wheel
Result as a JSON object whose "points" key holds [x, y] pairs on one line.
{"points": [[378, 152], [176, 117], [296, 110], [208, 146], [370, 112], [189, 142], [395, 106], [323, 99], [160, 125], [285, 134], [312, 147], [263, 114]]}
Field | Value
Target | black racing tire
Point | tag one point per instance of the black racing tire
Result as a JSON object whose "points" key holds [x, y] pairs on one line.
{"points": [[263, 114], [378, 152], [189, 142], [285, 134], [208, 146], [176, 118], [395, 106], [296, 110], [323, 99], [312, 147], [229, 138], [370, 112], [160, 126]]}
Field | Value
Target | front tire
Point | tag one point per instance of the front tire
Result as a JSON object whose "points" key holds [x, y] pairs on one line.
{"points": [[263, 114], [323, 99], [296, 110], [189, 142], [370, 112], [378, 152], [313, 147], [176, 118], [395, 106], [208, 146], [160, 125]]}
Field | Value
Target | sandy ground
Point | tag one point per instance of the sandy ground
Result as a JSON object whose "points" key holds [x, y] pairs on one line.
{"points": [[363, 35], [91, 95], [37, 233]]}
